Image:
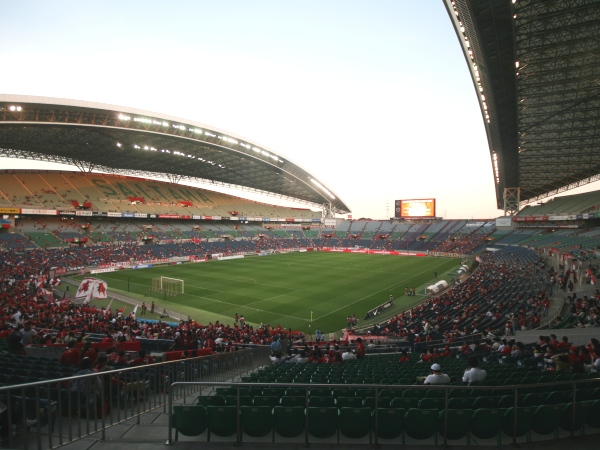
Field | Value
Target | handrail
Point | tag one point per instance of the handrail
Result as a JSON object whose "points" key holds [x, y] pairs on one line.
{"points": [[125, 393]]}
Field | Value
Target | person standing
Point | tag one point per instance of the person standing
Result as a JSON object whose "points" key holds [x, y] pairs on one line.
{"points": [[360, 349]]}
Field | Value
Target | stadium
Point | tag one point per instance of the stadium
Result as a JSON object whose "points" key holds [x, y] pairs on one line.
{"points": [[142, 307]]}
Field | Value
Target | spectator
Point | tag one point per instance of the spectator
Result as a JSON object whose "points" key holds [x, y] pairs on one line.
{"points": [[360, 349], [277, 358], [142, 359], [348, 355], [473, 372], [88, 387], [28, 334], [436, 376], [71, 355], [405, 357]]}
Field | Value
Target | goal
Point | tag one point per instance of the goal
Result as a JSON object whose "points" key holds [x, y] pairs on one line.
{"points": [[168, 286]]}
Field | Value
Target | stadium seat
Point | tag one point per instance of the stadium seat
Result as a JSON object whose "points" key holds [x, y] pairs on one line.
{"points": [[266, 400], [322, 422], [573, 420], [355, 423], [348, 402], [421, 423], [322, 402], [389, 422], [256, 421], [486, 423], [222, 420], [288, 422], [523, 422], [206, 400], [189, 420], [545, 419], [592, 417], [455, 424]]}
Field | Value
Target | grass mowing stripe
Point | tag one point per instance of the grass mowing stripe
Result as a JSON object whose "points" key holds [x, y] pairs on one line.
{"points": [[384, 289], [286, 288]]}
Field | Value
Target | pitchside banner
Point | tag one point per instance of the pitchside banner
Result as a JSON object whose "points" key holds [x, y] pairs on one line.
{"points": [[368, 251]]}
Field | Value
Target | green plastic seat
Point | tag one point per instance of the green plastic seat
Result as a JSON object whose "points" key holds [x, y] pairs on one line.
{"points": [[232, 400], [222, 420], [288, 422], [322, 402], [485, 402], [355, 423], [460, 403], [545, 419], [389, 422], [592, 416], [432, 403], [288, 400], [256, 421], [523, 424], [570, 419], [322, 422], [189, 420], [456, 425], [349, 402], [266, 400], [486, 423], [206, 400], [421, 423]]}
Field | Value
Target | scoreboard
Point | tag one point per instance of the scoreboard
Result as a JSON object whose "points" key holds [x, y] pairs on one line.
{"points": [[415, 209]]}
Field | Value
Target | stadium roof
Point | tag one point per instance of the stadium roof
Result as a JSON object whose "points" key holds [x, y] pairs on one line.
{"points": [[99, 137], [536, 69]]}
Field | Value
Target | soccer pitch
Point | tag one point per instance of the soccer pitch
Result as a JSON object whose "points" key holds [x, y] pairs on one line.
{"points": [[284, 289]]}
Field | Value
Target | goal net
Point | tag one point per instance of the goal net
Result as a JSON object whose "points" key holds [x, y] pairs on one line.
{"points": [[166, 285]]}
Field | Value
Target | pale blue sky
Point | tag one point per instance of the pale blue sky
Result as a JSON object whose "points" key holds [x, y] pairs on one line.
{"points": [[372, 97]]}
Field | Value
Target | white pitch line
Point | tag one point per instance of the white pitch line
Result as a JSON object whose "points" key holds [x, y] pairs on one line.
{"points": [[271, 298], [244, 306]]}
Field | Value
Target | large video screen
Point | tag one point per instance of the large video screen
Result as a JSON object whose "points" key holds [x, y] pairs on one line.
{"points": [[408, 209]]}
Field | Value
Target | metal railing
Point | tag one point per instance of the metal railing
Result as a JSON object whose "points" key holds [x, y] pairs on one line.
{"points": [[55, 412]]}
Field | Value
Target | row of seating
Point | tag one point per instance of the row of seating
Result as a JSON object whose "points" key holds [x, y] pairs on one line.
{"points": [[387, 423], [427, 399]]}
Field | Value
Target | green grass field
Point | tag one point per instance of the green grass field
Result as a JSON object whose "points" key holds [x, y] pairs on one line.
{"points": [[284, 289]]}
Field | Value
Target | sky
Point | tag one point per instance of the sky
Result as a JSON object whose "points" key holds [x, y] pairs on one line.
{"points": [[373, 98]]}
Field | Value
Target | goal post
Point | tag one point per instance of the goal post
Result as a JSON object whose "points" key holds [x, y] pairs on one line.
{"points": [[168, 286]]}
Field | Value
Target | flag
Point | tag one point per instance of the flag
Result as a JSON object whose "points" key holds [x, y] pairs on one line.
{"points": [[41, 282], [91, 288]]}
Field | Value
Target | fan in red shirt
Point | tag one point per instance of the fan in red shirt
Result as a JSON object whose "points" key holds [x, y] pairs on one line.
{"points": [[142, 359], [71, 355]]}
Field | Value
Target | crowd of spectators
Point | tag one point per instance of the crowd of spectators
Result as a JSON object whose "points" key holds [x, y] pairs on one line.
{"points": [[506, 293], [462, 243], [30, 314]]}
